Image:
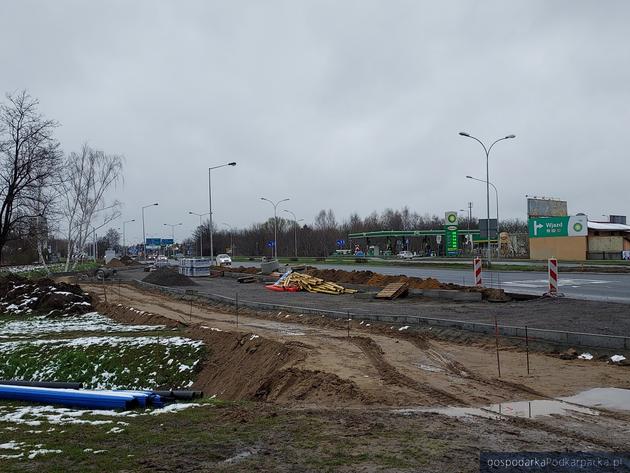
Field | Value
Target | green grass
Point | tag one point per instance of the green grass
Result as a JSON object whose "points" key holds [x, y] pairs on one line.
{"points": [[106, 366], [202, 438]]}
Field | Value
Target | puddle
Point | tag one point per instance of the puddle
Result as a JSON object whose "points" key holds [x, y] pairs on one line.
{"points": [[608, 398]]}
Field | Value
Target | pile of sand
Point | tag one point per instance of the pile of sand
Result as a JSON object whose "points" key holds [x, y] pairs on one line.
{"points": [[375, 279], [168, 277]]}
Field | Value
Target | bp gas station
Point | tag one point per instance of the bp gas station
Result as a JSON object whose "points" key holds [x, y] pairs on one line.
{"points": [[449, 241]]}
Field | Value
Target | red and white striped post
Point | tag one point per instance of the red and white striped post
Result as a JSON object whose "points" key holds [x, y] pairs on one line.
{"points": [[477, 271], [552, 270]]}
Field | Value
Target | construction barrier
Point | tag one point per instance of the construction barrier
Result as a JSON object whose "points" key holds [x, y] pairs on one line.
{"points": [[477, 271], [552, 269]]}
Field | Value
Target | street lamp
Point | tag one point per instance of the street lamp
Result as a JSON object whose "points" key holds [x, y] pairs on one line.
{"points": [[275, 224], [200, 231], [123, 228], [295, 221], [487, 151], [496, 195], [144, 236], [172, 225], [210, 203], [231, 235]]}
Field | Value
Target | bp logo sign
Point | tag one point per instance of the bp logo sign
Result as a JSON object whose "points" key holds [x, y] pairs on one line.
{"points": [[450, 218], [577, 227]]}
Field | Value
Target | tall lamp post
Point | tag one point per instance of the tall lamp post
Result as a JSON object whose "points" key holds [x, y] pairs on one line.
{"points": [[496, 195], [295, 221], [144, 236], [200, 231], [487, 151], [210, 204], [231, 237], [275, 224], [123, 228], [172, 225]]}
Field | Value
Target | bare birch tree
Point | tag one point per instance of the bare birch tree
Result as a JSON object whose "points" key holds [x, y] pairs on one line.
{"points": [[29, 163], [89, 176]]}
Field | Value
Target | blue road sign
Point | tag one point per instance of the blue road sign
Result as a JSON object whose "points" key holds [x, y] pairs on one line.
{"points": [[271, 244]]}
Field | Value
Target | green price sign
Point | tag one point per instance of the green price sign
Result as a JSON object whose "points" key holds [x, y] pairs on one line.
{"points": [[452, 246]]}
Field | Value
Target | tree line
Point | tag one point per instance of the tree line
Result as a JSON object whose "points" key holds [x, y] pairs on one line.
{"points": [[324, 235], [45, 191]]}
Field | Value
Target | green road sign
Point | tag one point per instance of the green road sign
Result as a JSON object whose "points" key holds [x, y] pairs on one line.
{"points": [[544, 227]]}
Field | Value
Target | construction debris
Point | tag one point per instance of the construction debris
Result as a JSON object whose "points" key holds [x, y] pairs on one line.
{"points": [[303, 282], [393, 290]]}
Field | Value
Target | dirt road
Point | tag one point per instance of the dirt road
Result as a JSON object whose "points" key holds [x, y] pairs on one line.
{"points": [[336, 403], [379, 365]]}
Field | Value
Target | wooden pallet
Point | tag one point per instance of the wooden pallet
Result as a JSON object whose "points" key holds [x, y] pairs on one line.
{"points": [[393, 290]]}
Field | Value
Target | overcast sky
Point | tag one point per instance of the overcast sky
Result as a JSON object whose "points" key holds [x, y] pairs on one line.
{"points": [[349, 105]]}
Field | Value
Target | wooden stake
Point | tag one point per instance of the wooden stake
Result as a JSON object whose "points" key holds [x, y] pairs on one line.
{"points": [[496, 335], [527, 348]]}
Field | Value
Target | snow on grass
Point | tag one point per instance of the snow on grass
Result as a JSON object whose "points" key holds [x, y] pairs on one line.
{"points": [[33, 415], [106, 362], [39, 326]]}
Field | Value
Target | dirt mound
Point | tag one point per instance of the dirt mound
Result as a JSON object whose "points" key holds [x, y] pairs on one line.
{"points": [[168, 277], [370, 278], [375, 279], [294, 384], [19, 295], [246, 366], [127, 260], [115, 263], [129, 315]]}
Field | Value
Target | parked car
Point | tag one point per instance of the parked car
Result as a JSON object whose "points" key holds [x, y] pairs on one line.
{"points": [[224, 260], [405, 254]]}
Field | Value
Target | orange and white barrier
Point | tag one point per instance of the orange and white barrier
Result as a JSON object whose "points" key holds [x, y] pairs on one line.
{"points": [[477, 272], [552, 270]]}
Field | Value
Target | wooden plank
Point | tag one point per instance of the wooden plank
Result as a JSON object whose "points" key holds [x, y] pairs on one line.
{"points": [[393, 290]]}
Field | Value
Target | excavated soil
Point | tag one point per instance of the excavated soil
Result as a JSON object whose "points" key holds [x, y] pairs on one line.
{"points": [[370, 278], [299, 360], [168, 277], [42, 296]]}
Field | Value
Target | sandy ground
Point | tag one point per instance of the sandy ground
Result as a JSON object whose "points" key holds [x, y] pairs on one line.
{"points": [[390, 367], [357, 403]]}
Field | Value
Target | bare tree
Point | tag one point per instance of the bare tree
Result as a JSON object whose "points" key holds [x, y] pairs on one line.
{"points": [[89, 175], [29, 161]]}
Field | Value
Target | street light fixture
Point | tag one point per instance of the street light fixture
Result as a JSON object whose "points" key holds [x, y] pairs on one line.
{"points": [[275, 224], [123, 229], [210, 203], [487, 181], [200, 231], [231, 237], [496, 195], [144, 236], [172, 225], [295, 221]]}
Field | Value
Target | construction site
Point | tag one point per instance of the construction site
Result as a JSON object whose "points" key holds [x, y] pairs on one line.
{"points": [[334, 370]]}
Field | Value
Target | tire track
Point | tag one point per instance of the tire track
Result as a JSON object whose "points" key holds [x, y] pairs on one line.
{"points": [[390, 375]]}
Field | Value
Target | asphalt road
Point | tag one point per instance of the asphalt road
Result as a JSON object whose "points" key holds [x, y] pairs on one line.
{"points": [[590, 286]]}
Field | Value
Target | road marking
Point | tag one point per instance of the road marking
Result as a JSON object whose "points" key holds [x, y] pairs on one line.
{"points": [[535, 283]]}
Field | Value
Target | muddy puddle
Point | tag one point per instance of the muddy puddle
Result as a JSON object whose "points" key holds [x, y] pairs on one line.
{"points": [[586, 402]]}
